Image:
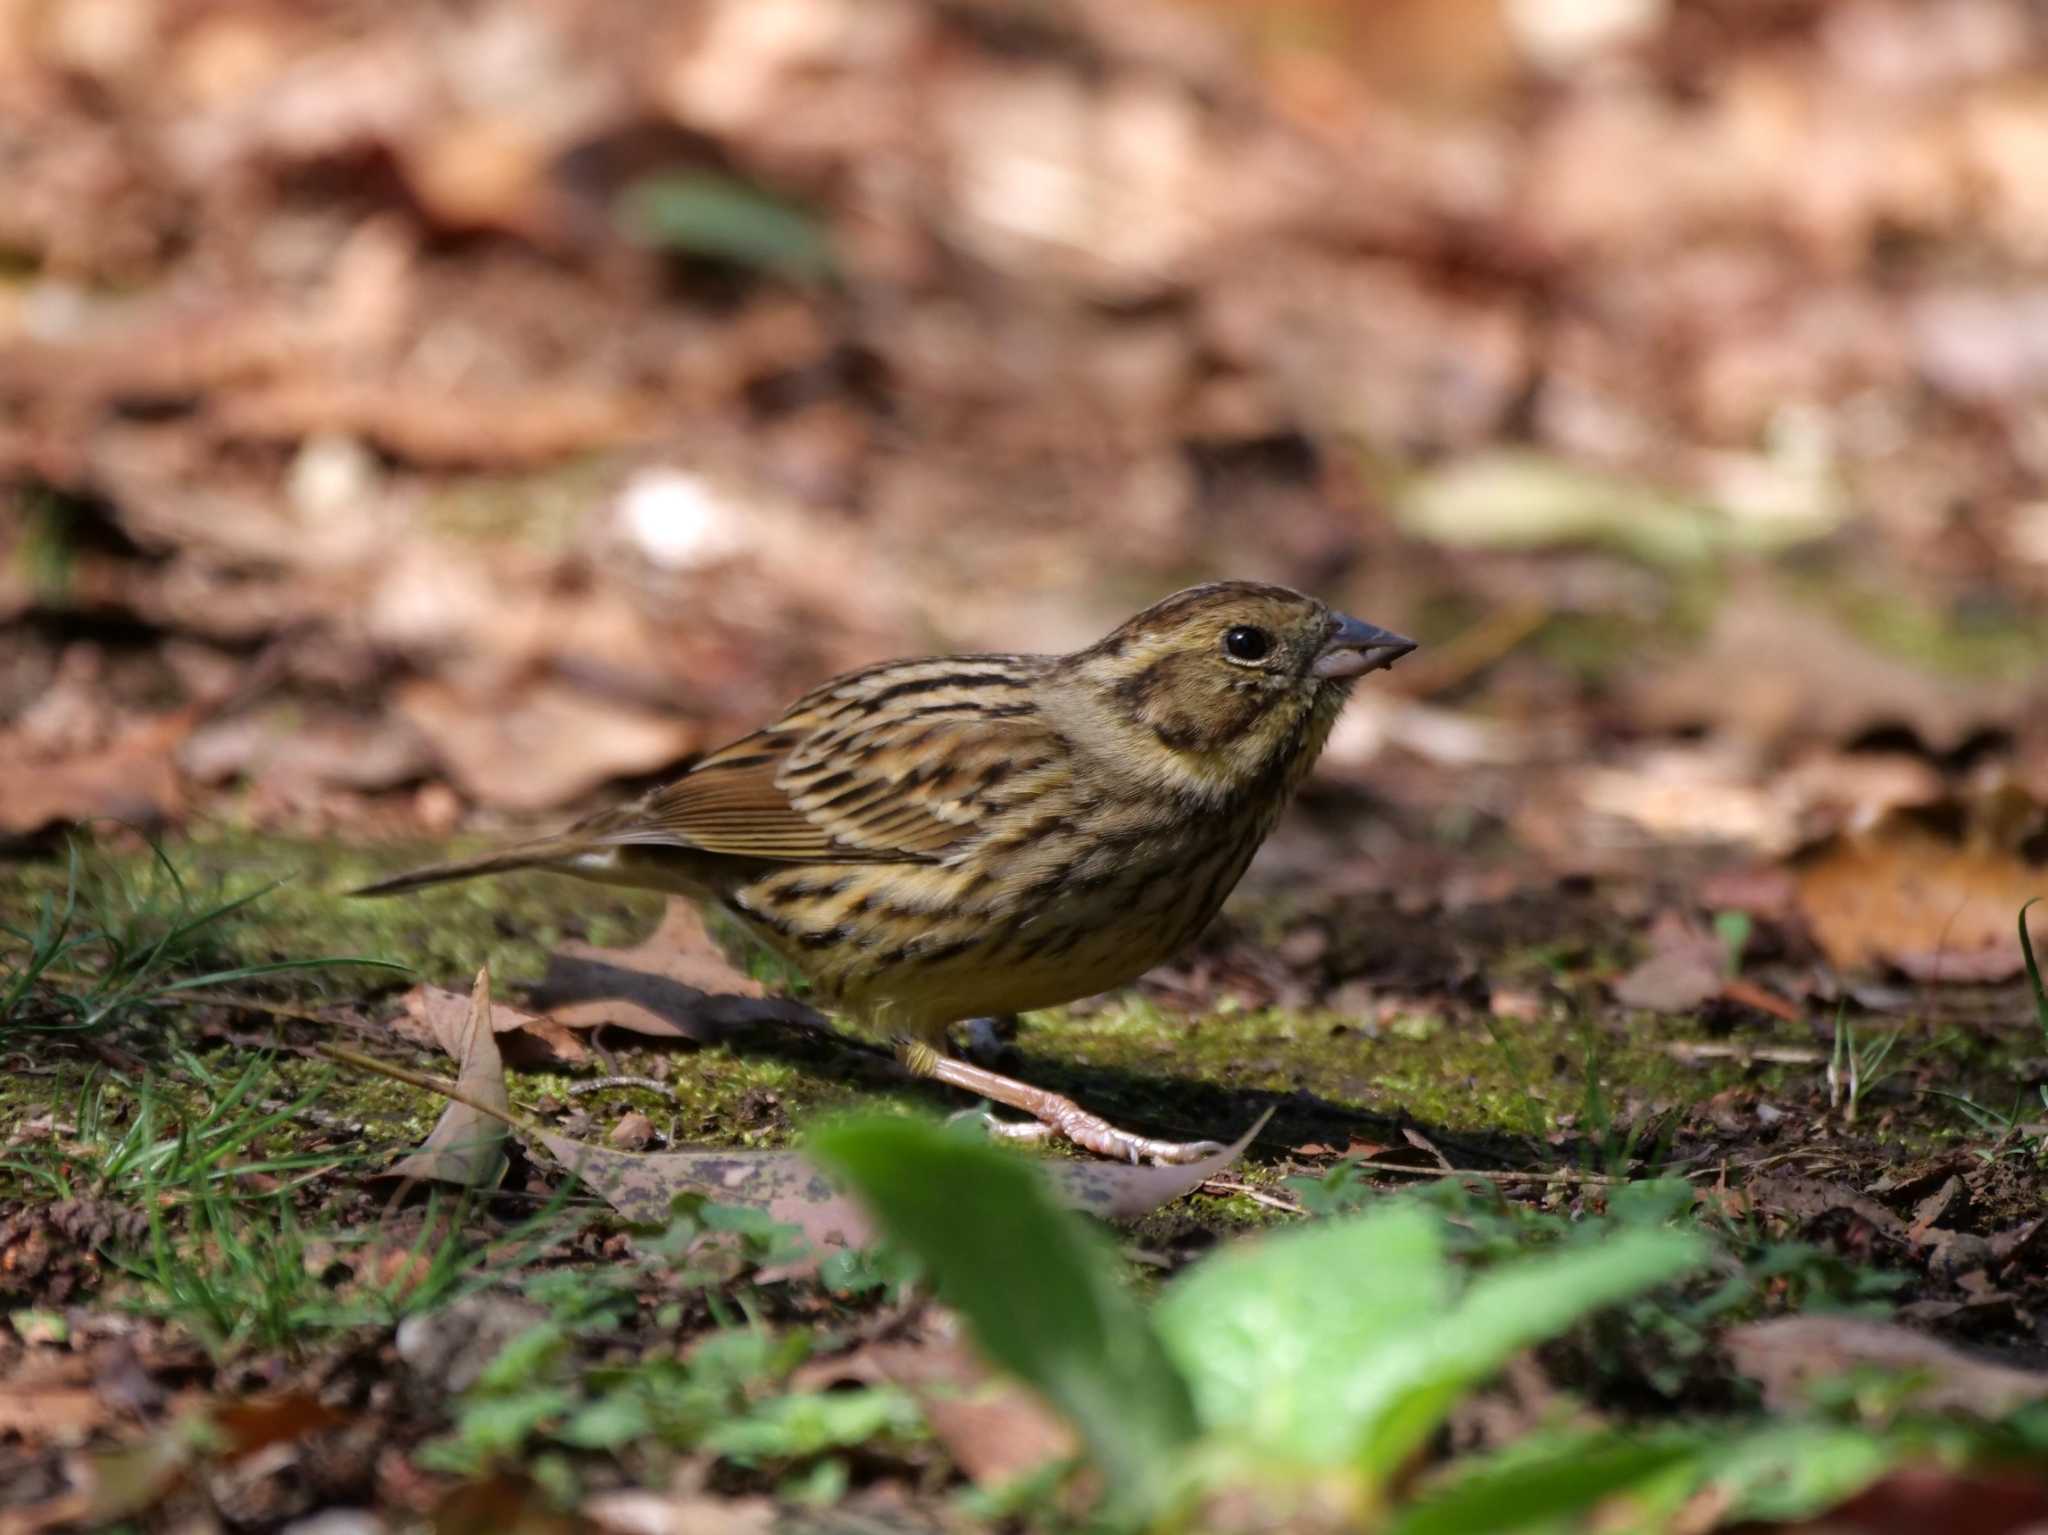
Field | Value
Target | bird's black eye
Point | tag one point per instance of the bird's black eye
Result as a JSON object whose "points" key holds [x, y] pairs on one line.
{"points": [[1243, 642]]}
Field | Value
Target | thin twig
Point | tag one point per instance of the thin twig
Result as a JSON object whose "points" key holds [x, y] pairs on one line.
{"points": [[441, 1086], [598, 1084], [1591, 1179], [1256, 1196], [1777, 1055]]}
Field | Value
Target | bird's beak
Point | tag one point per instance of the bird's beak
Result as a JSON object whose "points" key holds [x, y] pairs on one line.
{"points": [[1356, 647]]}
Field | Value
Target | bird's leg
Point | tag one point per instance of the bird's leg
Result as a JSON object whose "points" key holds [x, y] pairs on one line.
{"points": [[1058, 1116]]}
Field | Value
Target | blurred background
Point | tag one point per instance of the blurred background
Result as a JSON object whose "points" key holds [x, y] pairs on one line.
{"points": [[418, 418]]}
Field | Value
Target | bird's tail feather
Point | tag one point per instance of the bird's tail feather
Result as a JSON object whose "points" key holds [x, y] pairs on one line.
{"points": [[549, 852]]}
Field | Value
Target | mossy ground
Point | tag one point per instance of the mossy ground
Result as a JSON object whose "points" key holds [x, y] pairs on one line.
{"points": [[1513, 1089]]}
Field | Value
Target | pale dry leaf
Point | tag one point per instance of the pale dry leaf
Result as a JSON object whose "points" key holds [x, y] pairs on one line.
{"points": [[466, 1147], [41, 1414], [1933, 901], [542, 744], [1788, 1355], [682, 1512], [785, 1185], [433, 1015]]}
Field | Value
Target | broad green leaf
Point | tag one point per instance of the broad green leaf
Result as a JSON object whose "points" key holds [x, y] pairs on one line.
{"points": [[1291, 1340], [1341, 1342], [609, 1423], [704, 214], [1537, 1487], [1504, 1312], [1775, 1471], [1039, 1288]]}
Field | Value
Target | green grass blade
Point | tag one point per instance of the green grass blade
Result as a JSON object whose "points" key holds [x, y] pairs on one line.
{"points": [[2034, 968]]}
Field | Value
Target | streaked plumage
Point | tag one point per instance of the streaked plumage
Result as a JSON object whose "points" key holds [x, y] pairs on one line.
{"points": [[933, 840]]}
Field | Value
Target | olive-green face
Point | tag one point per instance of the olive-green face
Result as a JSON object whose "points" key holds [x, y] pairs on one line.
{"points": [[1236, 676], [1222, 669]]}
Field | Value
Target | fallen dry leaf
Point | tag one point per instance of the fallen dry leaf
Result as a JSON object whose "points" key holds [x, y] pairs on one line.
{"points": [[434, 1015], [1787, 1355], [128, 778], [1772, 671], [682, 1512], [640, 1186], [1684, 969], [39, 1413], [466, 1147], [1922, 1499], [674, 984], [542, 743], [1935, 894]]}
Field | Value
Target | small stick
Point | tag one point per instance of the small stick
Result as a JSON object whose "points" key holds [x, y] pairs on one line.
{"points": [[1590, 1179], [1256, 1196], [1780, 1055], [598, 1084]]}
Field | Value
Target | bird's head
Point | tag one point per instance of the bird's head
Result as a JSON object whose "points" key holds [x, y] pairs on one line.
{"points": [[1226, 685]]}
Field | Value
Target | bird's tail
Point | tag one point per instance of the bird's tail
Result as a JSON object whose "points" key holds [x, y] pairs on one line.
{"points": [[548, 852]]}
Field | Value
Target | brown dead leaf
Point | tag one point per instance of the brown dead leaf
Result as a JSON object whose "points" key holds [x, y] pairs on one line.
{"points": [[1808, 1199], [1685, 968], [41, 1413], [541, 744], [1772, 671], [1787, 1355], [466, 1147], [640, 1185], [434, 1015], [1924, 1499], [130, 778], [674, 984], [286, 750], [1935, 894], [258, 1422], [112, 1485]]}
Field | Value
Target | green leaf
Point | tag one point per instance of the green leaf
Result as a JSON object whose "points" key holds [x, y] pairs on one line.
{"points": [[525, 1358], [1292, 1340], [809, 1423], [703, 214], [1518, 1491], [498, 1425], [1038, 1287], [609, 1423], [1509, 1310], [1340, 1343]]}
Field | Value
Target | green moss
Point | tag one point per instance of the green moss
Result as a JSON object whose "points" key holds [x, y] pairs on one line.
{"points": [[1320, 1071]]}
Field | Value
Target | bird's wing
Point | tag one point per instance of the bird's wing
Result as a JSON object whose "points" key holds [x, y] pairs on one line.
{"points": [[899, 763]]}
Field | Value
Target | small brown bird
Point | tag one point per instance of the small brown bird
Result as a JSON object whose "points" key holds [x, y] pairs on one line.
{"points": [[936, 840]]}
